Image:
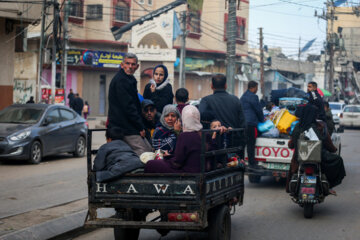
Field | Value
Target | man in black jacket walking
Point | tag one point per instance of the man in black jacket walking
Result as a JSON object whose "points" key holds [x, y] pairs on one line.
{"points": [[78, 104], [124, 106]]}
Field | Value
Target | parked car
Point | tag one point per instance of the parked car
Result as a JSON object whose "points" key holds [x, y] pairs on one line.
{"points": [[32, 131], [350, 116], [336, 110]]}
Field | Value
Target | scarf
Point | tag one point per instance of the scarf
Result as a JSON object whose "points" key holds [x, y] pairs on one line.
{"points": [[191, 119], [167, 110], [307, 115], [165, 81]]}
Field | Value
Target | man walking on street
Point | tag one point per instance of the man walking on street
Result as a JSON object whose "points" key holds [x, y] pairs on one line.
{"points": [[71, 97], [254, 115], [124, 106], [78, 104]]}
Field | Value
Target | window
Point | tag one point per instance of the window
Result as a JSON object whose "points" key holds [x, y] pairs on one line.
{"points": [[76, 8], [194, 22], [54, 115], [240, 29], [94, 12], [150, 2], [66, 115], [141, 1], [122, 12]]}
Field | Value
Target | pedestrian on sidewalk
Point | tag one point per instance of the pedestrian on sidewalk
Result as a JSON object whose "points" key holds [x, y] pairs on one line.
{"points": [[71, 97], [86, 109], [125, 108], [159, 89], [78, 104]]}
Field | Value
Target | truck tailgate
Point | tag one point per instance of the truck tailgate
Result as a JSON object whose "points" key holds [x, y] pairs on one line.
{"points": [[272, 150]]}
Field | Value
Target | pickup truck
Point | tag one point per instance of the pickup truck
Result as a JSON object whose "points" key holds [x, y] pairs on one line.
{"points": [[187, 201], [274, 157]]}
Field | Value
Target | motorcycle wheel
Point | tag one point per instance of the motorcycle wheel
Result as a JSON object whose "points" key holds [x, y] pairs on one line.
{"points": [[308, 210]]}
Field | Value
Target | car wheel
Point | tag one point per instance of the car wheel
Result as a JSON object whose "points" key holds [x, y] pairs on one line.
{"points": [[80, 147], [35, 153]]}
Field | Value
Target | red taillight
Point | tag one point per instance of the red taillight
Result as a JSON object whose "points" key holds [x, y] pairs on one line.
{"points": [[183, 217], [309, 170], [87, 124]]}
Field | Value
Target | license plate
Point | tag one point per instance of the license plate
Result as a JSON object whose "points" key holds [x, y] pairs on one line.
{"points": [[308, 179], [278, 166], [308, 190]]}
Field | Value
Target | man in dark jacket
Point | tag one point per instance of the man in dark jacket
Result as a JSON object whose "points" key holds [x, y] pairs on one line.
{"points": [[78, 104], [124, 106], [71, 97], [329, 118], [222, 106], [316, 100], [114, 158], [151, 117], [254, 115]]}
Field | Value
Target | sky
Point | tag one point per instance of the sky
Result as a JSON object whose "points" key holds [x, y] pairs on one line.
{"points": [[284, 22]]}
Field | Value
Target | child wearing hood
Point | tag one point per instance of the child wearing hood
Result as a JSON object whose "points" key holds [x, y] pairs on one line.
{"points": [[159, 90]]}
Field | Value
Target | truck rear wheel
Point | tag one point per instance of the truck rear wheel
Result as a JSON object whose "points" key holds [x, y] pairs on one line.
{"points": [[254, 178], [219, 223], [308, 210], [126, 233]]}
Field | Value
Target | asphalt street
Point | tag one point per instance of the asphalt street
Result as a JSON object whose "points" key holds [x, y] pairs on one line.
{"points": [[269, 213]]}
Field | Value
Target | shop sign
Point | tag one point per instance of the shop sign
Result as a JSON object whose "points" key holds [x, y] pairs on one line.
{"points": [[59, 95], [195, 64], [92, 58], [154, 54]]}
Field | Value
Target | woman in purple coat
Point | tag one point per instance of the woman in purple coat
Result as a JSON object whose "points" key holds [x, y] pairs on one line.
{"points": [[188, 147]]}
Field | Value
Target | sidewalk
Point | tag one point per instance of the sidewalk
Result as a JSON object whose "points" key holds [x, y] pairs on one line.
{"points": [[44, 223]]}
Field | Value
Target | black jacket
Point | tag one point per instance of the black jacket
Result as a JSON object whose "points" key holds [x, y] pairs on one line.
{"points": [[78, 104], [224, 107], [161, 98], [115, 159], [316, 99], [124, 104]]}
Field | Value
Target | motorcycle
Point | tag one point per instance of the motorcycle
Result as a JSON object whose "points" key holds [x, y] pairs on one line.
{"points": [[309, 186]]}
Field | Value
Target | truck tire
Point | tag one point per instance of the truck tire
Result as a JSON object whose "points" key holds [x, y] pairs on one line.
{"points": [[308, 210], [126, 233], [219, 223], [254, 178]]}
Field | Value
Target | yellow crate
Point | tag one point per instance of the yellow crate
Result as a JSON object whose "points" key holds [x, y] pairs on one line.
{"points": [[283, 119]]}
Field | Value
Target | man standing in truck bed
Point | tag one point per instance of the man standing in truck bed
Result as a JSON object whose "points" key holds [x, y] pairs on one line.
{"points": [[124, 106]]}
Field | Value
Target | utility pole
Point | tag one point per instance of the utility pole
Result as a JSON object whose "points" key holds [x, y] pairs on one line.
{"points": [[262, 83], [231, 46], [53, 64], [41, 51], [65, 46], [182, 51], [332, 42]]}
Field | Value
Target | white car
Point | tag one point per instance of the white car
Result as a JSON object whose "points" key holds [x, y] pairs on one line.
{"points": [[350, 116], [336, 110]]}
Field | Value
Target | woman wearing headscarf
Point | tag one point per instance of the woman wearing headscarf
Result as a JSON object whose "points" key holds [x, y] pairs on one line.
{"points": [[307, 119], [164, 136], [188, 147], [159, 89]]}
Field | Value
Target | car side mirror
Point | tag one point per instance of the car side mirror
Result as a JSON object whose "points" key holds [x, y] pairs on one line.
{"points": [[47, 121]]}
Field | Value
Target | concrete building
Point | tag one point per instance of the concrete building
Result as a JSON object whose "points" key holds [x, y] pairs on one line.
{"points": [[94, 56], [15, 20]]}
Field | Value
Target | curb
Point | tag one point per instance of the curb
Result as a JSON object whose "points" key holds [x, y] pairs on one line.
{"points": [[50, 228]]}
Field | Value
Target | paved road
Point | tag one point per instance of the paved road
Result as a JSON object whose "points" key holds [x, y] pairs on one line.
{"points": [[55, 181], [269, 213]]}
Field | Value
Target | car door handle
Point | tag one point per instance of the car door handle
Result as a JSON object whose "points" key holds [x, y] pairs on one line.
{"points": [[281, 142]]}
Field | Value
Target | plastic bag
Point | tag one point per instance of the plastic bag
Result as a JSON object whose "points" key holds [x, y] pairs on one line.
{"points": [[272, 133], [265, 126], [293, 124]]}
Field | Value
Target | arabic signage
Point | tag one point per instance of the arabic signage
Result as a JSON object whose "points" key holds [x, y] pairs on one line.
{"points": [[23, 90], [93, 58], [194, 64], [151, 54], [157, 32]]}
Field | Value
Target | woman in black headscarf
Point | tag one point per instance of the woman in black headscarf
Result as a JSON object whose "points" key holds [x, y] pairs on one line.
{"points": [[159, 89], [307, 119]]}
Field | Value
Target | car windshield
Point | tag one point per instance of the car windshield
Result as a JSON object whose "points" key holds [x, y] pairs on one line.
{"points": [[352, 109], [335, 106], [20, 115]]}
